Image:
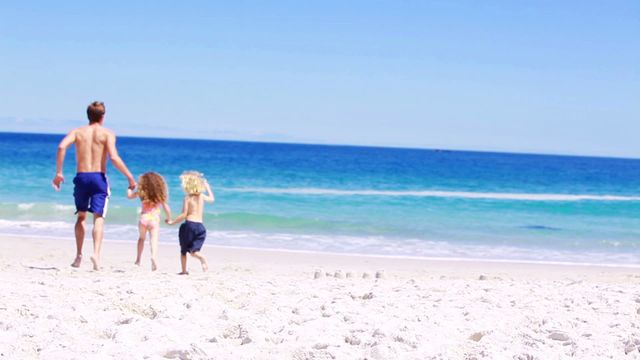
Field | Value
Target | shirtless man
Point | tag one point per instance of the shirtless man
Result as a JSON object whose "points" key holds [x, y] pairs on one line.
{"points": [[93, 144]]}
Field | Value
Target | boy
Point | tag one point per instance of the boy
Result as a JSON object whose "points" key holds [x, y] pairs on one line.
{"points": [[192, 232], [91, 192]]}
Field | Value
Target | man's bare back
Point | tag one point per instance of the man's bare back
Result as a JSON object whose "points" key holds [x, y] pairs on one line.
{"points": [[91, 144]]}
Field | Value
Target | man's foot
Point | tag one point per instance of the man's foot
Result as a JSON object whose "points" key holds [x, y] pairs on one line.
{"points": [[77, 261], [96, 264], [137, 262], [205, 265], [183, 273], [154, 266]]}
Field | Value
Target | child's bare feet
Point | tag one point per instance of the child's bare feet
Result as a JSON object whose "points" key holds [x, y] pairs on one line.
{"points": [[77, 261], [137, 262], [96, 264], [203, 260], [184, 273], [154, 265]]}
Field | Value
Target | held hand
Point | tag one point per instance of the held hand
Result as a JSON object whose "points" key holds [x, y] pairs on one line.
{"points": [[132, 184], [168, 221], [57, 181]]}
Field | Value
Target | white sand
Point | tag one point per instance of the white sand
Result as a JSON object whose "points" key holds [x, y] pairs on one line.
{"points": [[267, 305]]}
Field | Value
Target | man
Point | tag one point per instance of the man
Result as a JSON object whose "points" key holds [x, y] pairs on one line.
{"points": [[93, 144]]}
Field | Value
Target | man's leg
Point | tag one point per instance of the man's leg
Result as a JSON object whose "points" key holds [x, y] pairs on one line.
{"points": [[98, 226], [79, 229], [98, 205]]}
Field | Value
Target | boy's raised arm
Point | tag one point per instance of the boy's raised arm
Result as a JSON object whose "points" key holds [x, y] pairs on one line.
{"points": [[62, 151], [117, 161], [209, 197]]}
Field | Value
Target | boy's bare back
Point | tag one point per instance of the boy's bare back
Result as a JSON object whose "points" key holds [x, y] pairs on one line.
{"points": [[194, 207]]}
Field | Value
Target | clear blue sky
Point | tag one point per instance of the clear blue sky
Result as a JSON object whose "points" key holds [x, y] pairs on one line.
{"points": [[526, 76]]}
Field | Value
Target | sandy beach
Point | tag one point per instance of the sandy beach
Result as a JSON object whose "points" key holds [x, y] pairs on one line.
{"points": [[257, 304]]}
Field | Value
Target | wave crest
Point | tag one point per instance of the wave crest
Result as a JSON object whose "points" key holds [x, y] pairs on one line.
{"points": [[437, 194]]}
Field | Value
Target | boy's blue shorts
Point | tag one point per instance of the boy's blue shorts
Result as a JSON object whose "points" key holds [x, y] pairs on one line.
{"points": [[191, 235], [91, 192]]}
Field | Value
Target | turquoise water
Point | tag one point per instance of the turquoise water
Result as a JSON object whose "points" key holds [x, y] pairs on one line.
{"points": [[355, 199]]}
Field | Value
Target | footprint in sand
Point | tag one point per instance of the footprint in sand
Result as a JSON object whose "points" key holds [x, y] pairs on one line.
{"points": [[352, 340], [524, 356], [125, 321], [558, 336], [178, 354], [237, 332], [477, 336]]}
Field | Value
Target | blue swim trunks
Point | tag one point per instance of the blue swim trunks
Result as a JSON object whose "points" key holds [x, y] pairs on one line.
{"points": [[192, 235], [91, 192]]}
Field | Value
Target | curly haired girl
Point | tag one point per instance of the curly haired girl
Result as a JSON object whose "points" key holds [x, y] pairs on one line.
{"points": [[153, 194]]}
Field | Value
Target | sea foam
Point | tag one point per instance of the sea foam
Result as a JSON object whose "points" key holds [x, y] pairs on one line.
{"points": [[437, 194], [341, 244], [25, 206]]}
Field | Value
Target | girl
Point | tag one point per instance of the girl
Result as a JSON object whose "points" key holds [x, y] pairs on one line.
{"points": [[152, 191]]}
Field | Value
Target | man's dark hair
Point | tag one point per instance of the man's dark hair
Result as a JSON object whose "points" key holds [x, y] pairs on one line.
{"points": [[95, 111]]}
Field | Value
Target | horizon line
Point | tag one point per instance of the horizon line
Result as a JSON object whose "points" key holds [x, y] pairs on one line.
{"points": [[396, 147]]}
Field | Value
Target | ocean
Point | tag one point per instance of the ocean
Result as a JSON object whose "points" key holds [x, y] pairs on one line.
{"points": [[358, 200]]}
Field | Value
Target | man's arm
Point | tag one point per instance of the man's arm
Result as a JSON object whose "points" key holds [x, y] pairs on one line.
{"points": [[117, 161], [62, 152]]}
